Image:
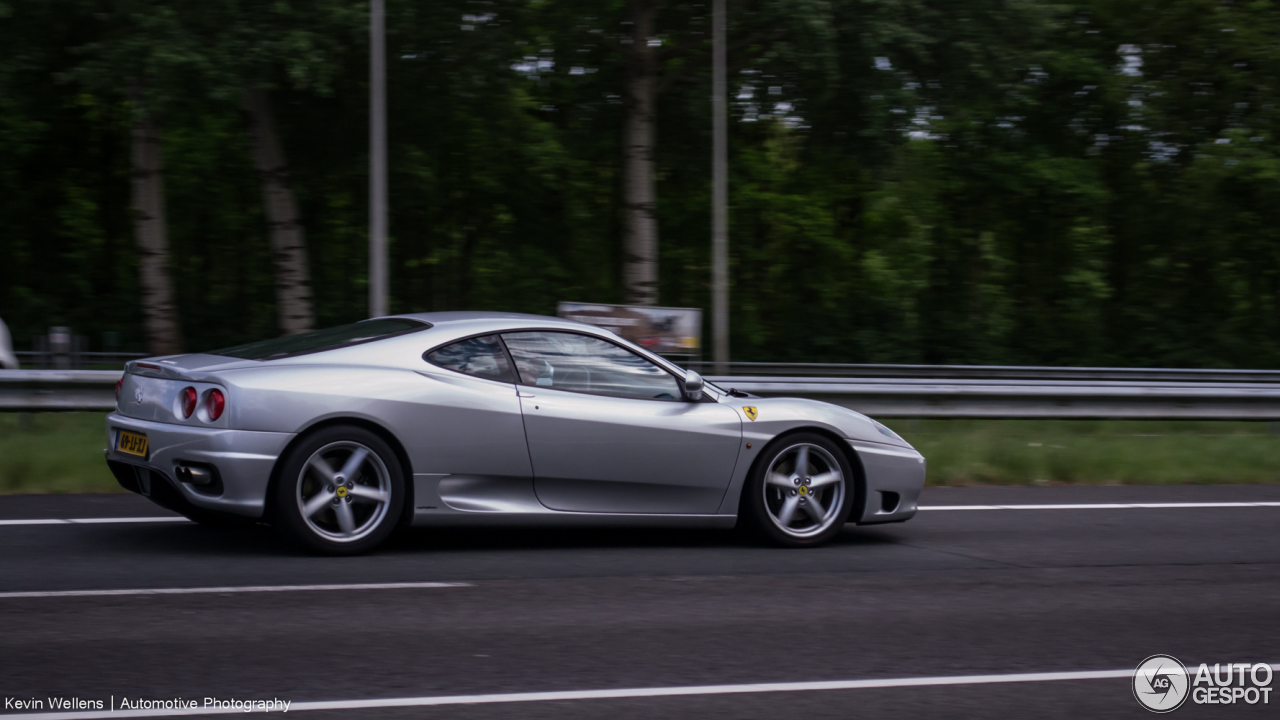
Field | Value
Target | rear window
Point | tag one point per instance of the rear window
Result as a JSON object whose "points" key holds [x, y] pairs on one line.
{"points": [[481, 357], [319, 340]]}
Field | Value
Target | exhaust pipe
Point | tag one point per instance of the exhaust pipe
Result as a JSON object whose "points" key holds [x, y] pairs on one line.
{"points": [[195, 475]]}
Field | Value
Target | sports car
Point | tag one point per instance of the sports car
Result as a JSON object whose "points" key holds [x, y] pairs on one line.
{"points": [[338, 436]]}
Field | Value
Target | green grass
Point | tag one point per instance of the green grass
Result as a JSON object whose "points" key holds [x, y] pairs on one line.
{"points": [[1112, 452], [54, 453], [62, 452]]}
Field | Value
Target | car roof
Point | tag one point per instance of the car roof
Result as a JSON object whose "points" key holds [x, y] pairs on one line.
{"points": [[465, 322]]}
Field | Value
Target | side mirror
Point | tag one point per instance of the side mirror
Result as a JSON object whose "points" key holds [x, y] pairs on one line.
{"points": [[692, 386]]}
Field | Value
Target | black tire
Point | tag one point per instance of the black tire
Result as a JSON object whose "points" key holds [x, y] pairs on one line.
{"points": [[323, 531], [762, 506]]}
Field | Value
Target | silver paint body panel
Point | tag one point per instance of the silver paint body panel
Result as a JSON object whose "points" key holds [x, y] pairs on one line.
{"points": [[244, 459], [618, 455], [477, 451]]}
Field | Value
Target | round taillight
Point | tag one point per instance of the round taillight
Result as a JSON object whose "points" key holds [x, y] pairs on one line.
{"points": [[119, 384], [188, 398], [217, 402]]}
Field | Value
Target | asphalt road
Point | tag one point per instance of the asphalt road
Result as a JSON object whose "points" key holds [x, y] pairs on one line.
{"points": [[952, 592]]}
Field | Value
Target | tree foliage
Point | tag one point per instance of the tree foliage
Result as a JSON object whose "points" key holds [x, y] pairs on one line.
{"points": [[950, 181]]}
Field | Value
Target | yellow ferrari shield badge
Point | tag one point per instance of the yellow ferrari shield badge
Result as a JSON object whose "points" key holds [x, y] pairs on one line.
{"points": [[750, 411]]}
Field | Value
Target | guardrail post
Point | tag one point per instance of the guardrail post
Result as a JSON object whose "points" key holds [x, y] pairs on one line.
{"points": [[60, 347]]}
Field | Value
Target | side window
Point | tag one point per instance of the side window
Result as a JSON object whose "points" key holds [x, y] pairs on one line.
{"points": [[581, 363], [481, 357]]}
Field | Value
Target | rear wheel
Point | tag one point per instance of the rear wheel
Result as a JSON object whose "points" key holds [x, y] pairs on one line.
{"points": [[801, 491], [340, 491]]}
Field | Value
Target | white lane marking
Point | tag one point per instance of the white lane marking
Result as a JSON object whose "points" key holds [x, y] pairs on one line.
{"points": [[231, 589], [489, 699], [94, 521], [1076, 506], [1104, 506]]}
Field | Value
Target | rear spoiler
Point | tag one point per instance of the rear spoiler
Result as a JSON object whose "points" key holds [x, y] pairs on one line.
{"points": [[155, 367]]}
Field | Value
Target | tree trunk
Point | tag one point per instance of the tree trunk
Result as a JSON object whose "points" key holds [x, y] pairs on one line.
{"points": [[640, 232], [288, 247], [159, 312]]}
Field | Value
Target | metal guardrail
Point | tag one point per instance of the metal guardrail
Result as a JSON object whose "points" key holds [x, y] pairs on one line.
{"points": [[58, 390], [997, 398], [987, 372], [991, 392], [37, 359]]}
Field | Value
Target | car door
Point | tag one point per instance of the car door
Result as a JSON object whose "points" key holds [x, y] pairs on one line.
{"points": [[469, 424], [609, 431]]}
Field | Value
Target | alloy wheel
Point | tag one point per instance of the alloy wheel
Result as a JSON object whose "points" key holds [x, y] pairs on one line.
{"points": [[804, 490], [343, 491]]}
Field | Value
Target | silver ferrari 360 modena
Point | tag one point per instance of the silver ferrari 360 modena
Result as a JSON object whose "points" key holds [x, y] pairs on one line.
{"points": [[338, 436]]}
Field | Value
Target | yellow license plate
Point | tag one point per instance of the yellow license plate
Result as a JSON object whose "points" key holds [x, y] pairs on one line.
{"points": [[132, 443]]}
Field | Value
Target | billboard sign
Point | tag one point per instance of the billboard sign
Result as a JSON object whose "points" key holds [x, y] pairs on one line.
{"points": [[663, 330]]}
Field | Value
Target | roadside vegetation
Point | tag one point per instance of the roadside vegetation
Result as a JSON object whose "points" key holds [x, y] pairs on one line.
{"points": [[1016, 183], [53, 453], [1112, 452], [62, 452]]}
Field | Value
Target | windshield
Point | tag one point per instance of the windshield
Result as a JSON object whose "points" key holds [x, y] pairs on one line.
{"points": [[319, 340]]}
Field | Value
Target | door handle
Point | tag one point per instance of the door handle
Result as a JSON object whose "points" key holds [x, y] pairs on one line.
{"points": [[522, 394]]}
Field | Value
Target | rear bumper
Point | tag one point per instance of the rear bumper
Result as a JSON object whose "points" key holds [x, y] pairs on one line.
{"points": [[895, 477], [244, 460]]}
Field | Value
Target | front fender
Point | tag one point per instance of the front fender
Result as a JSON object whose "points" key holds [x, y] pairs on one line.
{"points": [[764, 419]]}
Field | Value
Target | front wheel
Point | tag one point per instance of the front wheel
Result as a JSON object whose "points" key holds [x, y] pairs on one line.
{"points": [[800, 493], [340, 491]]}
